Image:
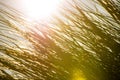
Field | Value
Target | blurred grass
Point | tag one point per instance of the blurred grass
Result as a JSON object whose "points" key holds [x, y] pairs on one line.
{"points": [[81, 42]]}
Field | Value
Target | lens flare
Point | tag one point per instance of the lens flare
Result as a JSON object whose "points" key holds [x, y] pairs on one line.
{"points": [[37, 9]]}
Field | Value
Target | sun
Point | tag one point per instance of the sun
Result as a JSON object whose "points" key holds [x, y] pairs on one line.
{"points": [[38, 9]]}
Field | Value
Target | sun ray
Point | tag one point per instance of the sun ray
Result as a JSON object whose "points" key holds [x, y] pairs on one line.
{"points": [[38, 9]]}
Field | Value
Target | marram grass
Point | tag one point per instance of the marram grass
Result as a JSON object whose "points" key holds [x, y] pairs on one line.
{"points": [[82, 43]]}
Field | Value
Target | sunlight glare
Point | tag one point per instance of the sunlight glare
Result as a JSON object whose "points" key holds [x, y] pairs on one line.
{"points": [[37, 9], [78, 75]]}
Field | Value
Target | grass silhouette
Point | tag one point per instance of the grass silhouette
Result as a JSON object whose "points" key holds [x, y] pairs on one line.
{"points": [[82, 43]]}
